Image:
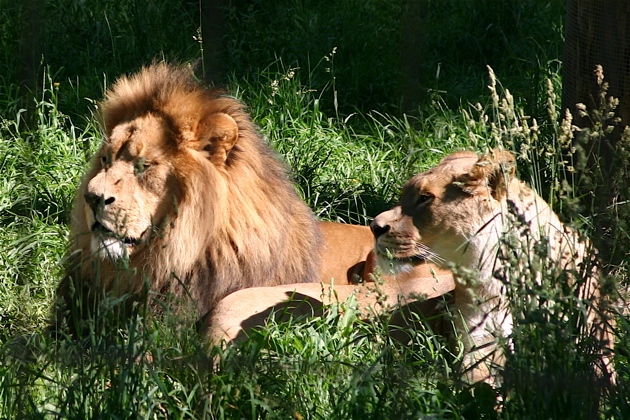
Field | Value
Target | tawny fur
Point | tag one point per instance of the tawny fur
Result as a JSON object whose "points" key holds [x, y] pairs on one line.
{"points": [[346, 258], [243, 310], [344, 253], [456, 213], [199, 204]]}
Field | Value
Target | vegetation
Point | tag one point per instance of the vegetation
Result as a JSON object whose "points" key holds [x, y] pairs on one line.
{"points": [[322, 81]]}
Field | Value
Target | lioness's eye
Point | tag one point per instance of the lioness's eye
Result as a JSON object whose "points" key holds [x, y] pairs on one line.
{"points": [[424, 199]]}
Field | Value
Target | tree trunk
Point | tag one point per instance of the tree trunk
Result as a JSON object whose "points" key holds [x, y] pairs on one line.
{"points": [[598, 33], [30, 54], [411, 55], [212, 33]]}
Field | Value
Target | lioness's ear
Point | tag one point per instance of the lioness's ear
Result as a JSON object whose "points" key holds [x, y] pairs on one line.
{"points": [[216, 135], [494, 171]]}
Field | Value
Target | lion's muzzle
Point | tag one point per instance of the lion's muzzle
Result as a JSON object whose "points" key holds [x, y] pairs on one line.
{"points": [[96, 201]]}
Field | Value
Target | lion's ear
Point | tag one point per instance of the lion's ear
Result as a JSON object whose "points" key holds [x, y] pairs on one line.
{"points": [[493, 171], [216, 135]]}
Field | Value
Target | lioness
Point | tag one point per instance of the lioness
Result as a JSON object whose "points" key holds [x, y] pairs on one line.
{"points": [[458, 212]]}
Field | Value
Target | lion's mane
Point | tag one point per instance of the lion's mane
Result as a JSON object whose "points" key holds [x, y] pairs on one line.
{"points": [[235, 221]]}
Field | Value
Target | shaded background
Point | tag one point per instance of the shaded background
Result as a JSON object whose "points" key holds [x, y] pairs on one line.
{"points": [[391, 55]]}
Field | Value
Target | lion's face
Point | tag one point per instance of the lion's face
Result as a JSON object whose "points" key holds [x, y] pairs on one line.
{"points": [[441, 211], [136, 184], [132, 187]]}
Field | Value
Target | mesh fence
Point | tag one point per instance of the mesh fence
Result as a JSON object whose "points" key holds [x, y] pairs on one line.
{"points": [[597, 32]]}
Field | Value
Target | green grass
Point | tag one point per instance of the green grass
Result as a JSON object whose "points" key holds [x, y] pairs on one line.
{"points": [[322, 81], [40, 168]]}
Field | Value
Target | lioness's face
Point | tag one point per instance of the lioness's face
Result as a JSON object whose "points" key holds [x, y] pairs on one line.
{"points": [[438, 214], [131, 188]]}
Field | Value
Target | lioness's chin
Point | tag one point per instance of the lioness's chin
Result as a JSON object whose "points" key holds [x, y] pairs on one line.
{"points": [[396, 265], [110, 248]]}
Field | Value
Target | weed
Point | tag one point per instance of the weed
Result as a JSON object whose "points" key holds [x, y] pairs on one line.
{"points": [[335, 120]]}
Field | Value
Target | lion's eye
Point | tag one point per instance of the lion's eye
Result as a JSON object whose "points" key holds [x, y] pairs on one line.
{"points": [[424, 198], [141, 166], [106, 160]]}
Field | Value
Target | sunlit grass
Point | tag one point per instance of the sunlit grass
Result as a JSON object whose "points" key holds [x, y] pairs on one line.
{"points": [[330, 109], [337, 366]]}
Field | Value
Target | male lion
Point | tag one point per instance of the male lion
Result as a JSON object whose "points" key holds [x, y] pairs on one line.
{"points": [[238, 313], [347, 258], [186, 196], [459, 212], [345, 252]]}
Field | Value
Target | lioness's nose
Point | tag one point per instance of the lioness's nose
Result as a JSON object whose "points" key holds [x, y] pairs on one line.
{"points": [[379, 229], [96, 201]]}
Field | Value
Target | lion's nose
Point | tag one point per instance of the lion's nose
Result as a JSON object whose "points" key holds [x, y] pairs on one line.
{"points": [[96, 201], [378, 229]]}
